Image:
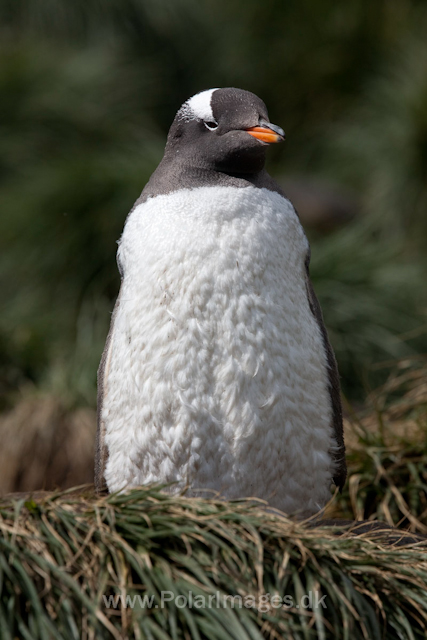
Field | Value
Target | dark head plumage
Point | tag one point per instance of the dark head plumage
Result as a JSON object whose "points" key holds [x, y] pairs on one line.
{"points": [[224, 130]]}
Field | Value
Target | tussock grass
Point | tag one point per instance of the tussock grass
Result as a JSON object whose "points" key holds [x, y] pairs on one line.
{"points": [[387, 452], [45, 444], [62, 553]]}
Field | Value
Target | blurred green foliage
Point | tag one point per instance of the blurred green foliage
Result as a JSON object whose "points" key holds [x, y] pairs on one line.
{"points": [[87, 93]]}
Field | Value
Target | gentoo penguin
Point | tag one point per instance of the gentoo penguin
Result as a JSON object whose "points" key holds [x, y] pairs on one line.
{"points": [[218, 373]]}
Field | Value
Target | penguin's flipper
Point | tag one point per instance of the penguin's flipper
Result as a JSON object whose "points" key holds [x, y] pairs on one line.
{"points": [[101, 451], [334, 385]]}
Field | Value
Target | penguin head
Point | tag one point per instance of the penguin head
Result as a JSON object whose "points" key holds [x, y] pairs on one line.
{"points": [[224, 130]]}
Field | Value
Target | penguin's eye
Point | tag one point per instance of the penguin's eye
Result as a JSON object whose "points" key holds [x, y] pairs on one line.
{"points": [[211, 125]]}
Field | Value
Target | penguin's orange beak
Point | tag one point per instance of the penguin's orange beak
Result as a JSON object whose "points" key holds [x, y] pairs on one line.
{"points": [[267, 132]]}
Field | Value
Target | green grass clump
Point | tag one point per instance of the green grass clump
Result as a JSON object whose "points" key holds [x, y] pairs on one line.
{"points": [[62, 553]]}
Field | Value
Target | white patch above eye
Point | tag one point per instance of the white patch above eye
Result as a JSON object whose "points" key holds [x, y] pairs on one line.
{"points": [[198, 107]]}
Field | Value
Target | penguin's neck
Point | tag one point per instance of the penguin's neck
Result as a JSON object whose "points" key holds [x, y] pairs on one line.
{"points": [[172, 175]]}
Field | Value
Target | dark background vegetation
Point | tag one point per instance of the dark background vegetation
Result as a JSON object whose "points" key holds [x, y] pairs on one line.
{"points": [[87, 93]]}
